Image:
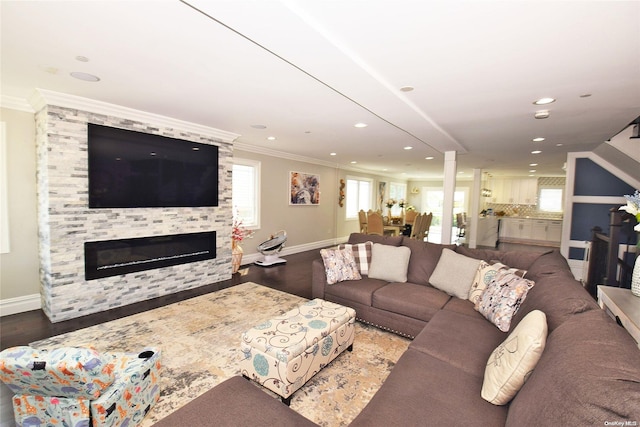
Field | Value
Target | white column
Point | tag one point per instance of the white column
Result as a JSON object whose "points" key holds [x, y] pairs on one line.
{"points": [[449, 187], [474, 209]]}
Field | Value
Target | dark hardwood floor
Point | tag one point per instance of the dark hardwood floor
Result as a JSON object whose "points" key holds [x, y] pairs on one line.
{"points": [[294, 277]]}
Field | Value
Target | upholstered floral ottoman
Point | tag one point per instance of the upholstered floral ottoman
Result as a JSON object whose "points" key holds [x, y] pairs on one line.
{"points": [[78, 387], [283, 353]]}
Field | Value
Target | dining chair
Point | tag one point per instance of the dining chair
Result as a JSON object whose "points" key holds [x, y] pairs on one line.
{"points": [[461, 224], [426, 224], [416, 226], [374, 224], [410, 216], [362, 217]]}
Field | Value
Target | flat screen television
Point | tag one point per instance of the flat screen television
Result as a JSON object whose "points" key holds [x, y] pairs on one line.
{"points": [[130, 169]]}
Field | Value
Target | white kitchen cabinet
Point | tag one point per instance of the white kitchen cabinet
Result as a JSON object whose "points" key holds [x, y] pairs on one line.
{"points": [[531, 229], [521, 191], [554, 231], [516, 228]]}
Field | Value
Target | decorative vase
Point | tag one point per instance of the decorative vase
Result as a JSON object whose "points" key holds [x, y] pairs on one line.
{"points": [[236, 256], [635, 278]]}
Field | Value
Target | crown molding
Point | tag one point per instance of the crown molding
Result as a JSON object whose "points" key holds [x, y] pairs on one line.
{"points": [[294, 157], [42, 97], [16, 103]]}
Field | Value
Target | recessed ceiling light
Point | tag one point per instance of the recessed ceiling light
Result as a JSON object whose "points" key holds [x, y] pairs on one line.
{"points": [[195, 148], [406, 88], [361, 125], [408, 147], [536, 152], [82, 58], [559, 145], [85, 76], [353, 162], [333, 154], [541, 114], [153, 153], [271, 138], [538, 139], [532, 171], [258, 126], [544, 101], [533, 164], [531, 174], [429, 158], [585, 95]]}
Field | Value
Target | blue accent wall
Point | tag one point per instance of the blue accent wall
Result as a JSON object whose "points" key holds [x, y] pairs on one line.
{"points": [[593, 180]]}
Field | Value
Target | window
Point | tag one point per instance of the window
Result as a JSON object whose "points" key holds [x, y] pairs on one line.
{"points": [[359, 195], [245, 191], [397, 192], [550, 200]]}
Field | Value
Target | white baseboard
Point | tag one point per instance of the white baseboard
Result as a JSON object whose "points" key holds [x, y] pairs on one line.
{"points": [[32, 302], [250, 258], [20, 304]]}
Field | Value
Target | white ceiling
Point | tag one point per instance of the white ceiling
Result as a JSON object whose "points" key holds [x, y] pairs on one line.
{"points": [[310, 70]]}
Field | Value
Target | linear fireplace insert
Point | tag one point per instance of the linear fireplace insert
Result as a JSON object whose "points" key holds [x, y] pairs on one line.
{"points": [[115, 257]]}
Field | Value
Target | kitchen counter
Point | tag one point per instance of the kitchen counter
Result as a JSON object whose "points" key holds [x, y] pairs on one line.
{"points": [[541, 231]]}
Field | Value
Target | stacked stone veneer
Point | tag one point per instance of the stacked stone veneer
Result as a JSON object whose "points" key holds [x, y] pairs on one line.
{"points": [[66, 222]]}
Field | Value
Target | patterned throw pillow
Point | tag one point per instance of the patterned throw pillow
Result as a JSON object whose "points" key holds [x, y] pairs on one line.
{"points": [[511, 363], [362, 255], [502, 298], [484, 275], [339, 265]]}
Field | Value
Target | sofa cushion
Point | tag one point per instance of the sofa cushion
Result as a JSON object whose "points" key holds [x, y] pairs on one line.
{"points": [[559, 295], [417, 301], [424, 258], [454, 273], [339, 265], [389, 263], [502, 298], [511, 363], [423, 390], [460, 340], [588, 375], [360, 291], [361, 253], [385, 240], [515, 259], [234, 402]]}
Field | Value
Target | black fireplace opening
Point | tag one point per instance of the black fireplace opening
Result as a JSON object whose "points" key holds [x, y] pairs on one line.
{"points": [[115, 257]]}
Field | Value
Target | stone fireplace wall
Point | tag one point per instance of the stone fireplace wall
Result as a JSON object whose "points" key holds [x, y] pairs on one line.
{"points": [[66, 222]]}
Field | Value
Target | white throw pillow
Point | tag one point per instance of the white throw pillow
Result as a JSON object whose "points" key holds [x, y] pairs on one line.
{"points": [[389, 263], [454, 273], [512, 362]]}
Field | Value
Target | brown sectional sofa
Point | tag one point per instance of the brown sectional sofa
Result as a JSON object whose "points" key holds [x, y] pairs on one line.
{"points": [[588, 374]]}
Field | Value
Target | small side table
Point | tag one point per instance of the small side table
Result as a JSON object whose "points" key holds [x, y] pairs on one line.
{"points": [[623, 307]]}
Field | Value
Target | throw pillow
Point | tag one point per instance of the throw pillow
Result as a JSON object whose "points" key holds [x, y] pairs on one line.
{"points": [[512, 362], [454, 273], [389, 263], [502, 298], [339, 265], [484, 275], [362, 255]]}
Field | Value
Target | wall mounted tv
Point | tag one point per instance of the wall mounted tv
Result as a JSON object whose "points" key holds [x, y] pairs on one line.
{"points": [[130, 169]]}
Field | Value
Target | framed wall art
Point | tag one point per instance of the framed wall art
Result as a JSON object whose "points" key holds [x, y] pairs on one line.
{"points": [[304, 188]]}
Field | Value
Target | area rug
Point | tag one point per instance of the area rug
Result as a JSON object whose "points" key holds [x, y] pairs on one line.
{"points": [[200, 337]]}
